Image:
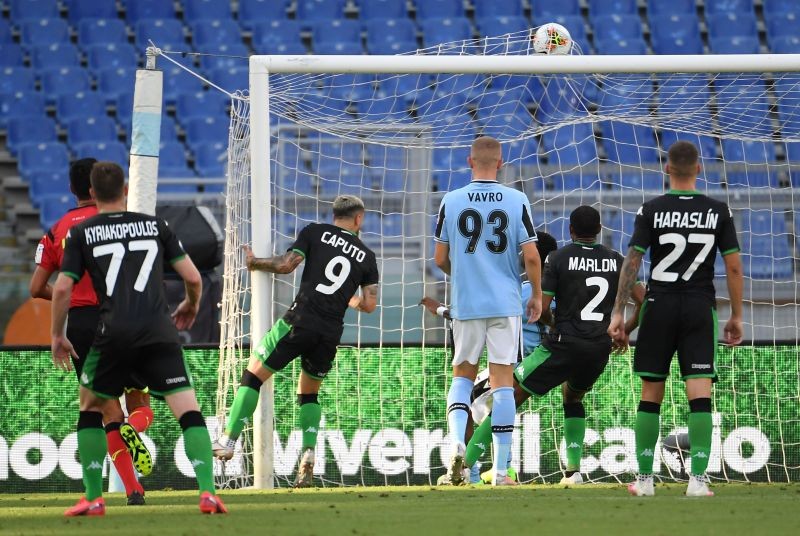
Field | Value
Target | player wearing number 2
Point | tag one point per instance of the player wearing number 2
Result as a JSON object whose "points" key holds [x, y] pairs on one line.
{"points": [[682, 229], [479, 233], [337, 264]]}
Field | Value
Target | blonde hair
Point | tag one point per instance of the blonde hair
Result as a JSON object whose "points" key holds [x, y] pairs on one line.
{"points": [[347, 206]]}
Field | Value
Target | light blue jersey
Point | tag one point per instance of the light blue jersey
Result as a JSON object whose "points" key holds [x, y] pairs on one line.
{"points": [[485, 224]]}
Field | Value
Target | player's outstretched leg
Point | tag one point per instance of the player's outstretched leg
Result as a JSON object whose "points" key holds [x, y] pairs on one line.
{"points": [[310, 417], [457, 413], [119, 452], [646, 429], [244, 405], [700, 428], [574, 433], [137, 450], [502, 419], [92, 450], [141, 418]]}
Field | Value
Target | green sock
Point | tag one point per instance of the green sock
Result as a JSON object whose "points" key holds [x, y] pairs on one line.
{"points": [[647, 427], [480, 441], [197, 445], [700, 441], [244, 405], [310, 415], [92, 449], [574, 432]]}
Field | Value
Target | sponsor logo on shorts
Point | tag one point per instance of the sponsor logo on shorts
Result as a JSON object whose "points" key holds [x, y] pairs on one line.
{"points": [[701, 366], [84, 379], [179, 379]]}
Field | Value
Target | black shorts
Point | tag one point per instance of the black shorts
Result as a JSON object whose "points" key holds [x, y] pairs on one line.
{"points": [[676, 322], [112, 367], [285, 342], [81, 329], [563, 358]]}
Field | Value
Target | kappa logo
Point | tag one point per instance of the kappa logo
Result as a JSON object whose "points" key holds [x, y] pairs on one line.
{"points": [[245, 420], [261, 349], [573, 445], [701, 455], [521, 369], [95, 465], [197, 462], [647, 452], [640, 212], [481, 446], [311, 430]]}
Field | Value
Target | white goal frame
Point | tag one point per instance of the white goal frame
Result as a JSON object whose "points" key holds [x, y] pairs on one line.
{"points": [[262, 66]]}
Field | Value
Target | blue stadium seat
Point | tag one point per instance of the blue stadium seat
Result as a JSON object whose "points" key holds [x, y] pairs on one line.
{"points": [[29, 129], [617, 26], [524, 152], [779, 6], [195, 10], [42, 156], [739, 44], [20, 103], [214, 31], [172, 154], [497, 8], [788, 44], [381, 9], [209, 159], [160, 31], [274, 33], [439, 9], [16, 79], [99, 128], [787, 94], [391, 48], [311, 10], [501, 101], [279, 47], [10, 55], [687, 93], [743, 106], [53, 207], [598, 8], [573, 23], [336, 30], [729, 6], [783, 24], [747, 153], [101, 31], [80, 10], [506, 125], [44, 31], [123, 106], [231, 79], [494, 26], [629, 144], [620, 225], [628, 96], [252, 12], [546, 11], [177, 82], [208, 129], [707, 146], [59, 80], [112, 151], [765, 245], [731, 24], [633, 45], [223, 55], [381, 31], [112, 55], [673, 7], [138, 10], [47, 182], [338, 47], [201, 104], [33, 9], [559, 102], [793, 157], [82, 103], [5, 32], [113, 82], [436, 31], [55, 55], [676, 34], [428, 103]]}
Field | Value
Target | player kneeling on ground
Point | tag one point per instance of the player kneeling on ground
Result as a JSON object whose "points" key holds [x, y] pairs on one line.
{"points": [[124, 253]]}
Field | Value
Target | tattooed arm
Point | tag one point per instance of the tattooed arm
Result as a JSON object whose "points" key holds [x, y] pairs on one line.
{"points": [[279, 264], [368, 300], [627, 280]]}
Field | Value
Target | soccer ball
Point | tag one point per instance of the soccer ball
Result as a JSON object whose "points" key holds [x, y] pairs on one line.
{"points": [[552, 38]]}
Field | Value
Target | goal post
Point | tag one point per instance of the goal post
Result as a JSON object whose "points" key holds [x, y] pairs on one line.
{"points": [[596, 131]]}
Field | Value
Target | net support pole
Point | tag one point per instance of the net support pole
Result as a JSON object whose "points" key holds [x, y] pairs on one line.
{"points": [[145, 137], [261, 282]]}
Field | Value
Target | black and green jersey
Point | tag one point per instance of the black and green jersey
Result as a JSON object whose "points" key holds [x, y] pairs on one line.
{"points": [[683, 230], [584, 279], [337, 263], [124, 253]]}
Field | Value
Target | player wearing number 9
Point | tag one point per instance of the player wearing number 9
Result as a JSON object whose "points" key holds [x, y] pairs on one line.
{"points": [[683, 229], [337, 265]]}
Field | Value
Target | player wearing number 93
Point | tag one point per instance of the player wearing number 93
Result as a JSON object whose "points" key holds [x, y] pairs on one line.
{"points": [[480, 231], [337, 264], [683, 229]]}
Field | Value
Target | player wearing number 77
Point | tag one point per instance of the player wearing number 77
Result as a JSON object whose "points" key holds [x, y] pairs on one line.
{"points": [[480, 231], [682, 229], [337, 264]]}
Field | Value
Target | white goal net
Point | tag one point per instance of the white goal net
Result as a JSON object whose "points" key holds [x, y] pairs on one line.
{"points": [[399, 139]]}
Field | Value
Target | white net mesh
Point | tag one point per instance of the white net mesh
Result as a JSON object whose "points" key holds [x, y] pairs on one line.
{"points": [[400, 141]]}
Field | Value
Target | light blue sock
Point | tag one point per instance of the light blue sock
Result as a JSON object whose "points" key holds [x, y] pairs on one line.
{"points": [[458, 407], [475, 473], [503, 412]]}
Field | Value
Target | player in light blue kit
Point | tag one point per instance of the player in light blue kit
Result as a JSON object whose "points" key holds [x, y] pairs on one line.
{"points": [[479, 233]]}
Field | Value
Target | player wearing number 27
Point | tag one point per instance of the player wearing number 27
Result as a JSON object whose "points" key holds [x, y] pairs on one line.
{"points": [[337, 264], [683, 229], [480, 231]]}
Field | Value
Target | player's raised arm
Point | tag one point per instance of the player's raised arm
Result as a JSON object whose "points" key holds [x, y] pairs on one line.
{"points": [[279, 264], [627, 280]]}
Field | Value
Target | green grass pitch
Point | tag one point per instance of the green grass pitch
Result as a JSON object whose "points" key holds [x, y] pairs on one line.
{"points": [[592, 509]]}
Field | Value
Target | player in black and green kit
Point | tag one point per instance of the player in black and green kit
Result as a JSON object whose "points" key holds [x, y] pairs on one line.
{"points": [[337, 264], [683, 230], [136, 340]]}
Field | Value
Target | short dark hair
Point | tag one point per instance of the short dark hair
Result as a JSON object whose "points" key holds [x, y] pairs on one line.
{"points": [[682, 158], [546, 244], [79, 182], [108, 182], [585, 221], [347, 206]]}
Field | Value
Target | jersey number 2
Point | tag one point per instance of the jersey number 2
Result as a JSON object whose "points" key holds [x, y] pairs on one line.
{"points": [[336, 279], [117, 252], [588, 312], [660, 272]]}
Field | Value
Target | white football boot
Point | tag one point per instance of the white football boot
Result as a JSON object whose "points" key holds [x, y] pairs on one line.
{"points": [[573, 480], [458, 469], [223, 447], [642, 486], [698, 486]]}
